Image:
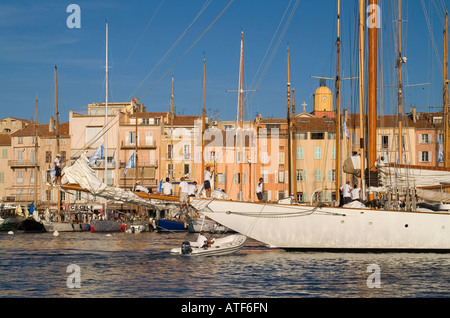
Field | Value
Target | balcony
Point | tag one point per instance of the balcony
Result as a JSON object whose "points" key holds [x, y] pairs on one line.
{"points": [[142, 145], [21, 163]]}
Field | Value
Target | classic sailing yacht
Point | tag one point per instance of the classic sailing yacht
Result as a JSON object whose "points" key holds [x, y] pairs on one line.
{"points": [[340, 228]]}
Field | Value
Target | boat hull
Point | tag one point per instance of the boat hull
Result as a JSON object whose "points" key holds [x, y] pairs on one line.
{"points": [[332, 228], [30, 225], [165, 225], [66, 227]]}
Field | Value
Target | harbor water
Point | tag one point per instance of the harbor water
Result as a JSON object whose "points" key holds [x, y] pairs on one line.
{"points": [[140, 265]]}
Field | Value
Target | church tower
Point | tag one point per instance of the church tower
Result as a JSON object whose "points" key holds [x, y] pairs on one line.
{"points": [[323, 101]]}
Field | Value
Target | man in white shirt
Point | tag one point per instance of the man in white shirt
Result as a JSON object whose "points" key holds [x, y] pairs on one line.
{"points": [[202, 241], [139, 187], [192, 189], [346, 188], [167, 187], [184, 187], [355, 193], [259, 189]]}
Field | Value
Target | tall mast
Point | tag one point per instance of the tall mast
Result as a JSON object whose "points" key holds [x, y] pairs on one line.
{"points": [[361, 91], [290, 182], [338, 103], [293, 148], [171, 133], [35, 154], [241, 104], [446, 96], [372, 87], [57, 141], [399, 83], [106, 118], [203, 122]]}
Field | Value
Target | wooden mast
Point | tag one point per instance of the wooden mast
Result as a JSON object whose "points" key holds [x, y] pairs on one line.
{"points": [[35, 155], [372, 85], [203, 124], [361, 92], [399, 84], [58, 200], [290, 182], [171, 170], [293, 148], [105, 161], [446, 96], [338, 104]]}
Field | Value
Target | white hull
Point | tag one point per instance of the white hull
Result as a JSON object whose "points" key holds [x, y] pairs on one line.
{"points": [[221, 246], [66, 227], [307, 227]]}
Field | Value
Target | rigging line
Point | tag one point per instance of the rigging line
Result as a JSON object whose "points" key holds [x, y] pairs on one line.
{"points": [[193, 44], [98, 135], [171, 49], [142, 35], [431, 35], [274, 50]]}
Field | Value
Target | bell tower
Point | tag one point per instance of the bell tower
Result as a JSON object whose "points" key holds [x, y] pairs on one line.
{"points": [[323, 101]]}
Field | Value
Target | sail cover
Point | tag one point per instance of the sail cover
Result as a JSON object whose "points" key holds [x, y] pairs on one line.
{"points": [[407, 176], [81, 174]]}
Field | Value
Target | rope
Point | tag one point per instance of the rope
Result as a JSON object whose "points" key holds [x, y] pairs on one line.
{"points": [[193, 44]]}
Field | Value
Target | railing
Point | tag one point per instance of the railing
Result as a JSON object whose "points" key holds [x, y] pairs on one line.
{"points": [[141, 145], [21, 163]]}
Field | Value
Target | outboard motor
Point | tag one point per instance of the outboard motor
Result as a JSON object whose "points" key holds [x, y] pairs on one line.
{"points": [[186, 248]]}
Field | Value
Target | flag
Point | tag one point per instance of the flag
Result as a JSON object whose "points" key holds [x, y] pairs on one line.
{"points": [[31, 208], [441, 151], [130, 164], [98, 154], [345, 130], [160, 186]]}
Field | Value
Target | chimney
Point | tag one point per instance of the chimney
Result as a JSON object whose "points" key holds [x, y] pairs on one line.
{"points": [[51, 125]]}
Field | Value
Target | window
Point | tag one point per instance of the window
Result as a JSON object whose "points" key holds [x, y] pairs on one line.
{"points": [[424, 156], [384, 142], [48, 156], [301, 135], [2, 177], [333, 152], [317, 153], [187, 152], [299, 153], [332, 135], [317, 175], [5, 153], [169, 170], [301, 175], [424, 138], [19, 176], [20, 157], [169, 154], [317, 136], [187, 171], [79, 195], [301, 197], [265, 175], [131, 138], [20, 140], [331, 175]]}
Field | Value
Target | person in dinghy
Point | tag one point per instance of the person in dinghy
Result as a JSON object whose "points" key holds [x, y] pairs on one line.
{"points": [[203, 241]]}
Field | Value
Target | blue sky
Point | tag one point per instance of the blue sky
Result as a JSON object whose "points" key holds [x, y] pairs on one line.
{"points": [[34, 38]]}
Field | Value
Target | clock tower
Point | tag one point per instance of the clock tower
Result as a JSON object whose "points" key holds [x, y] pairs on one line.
{"points": [[323, 101]]}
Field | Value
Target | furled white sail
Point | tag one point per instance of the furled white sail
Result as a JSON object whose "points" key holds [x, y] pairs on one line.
{"points": [[81, 174], [404, 176]]}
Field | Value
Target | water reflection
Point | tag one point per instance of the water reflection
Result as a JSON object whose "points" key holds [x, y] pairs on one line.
{"points": [[140, 265]]}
